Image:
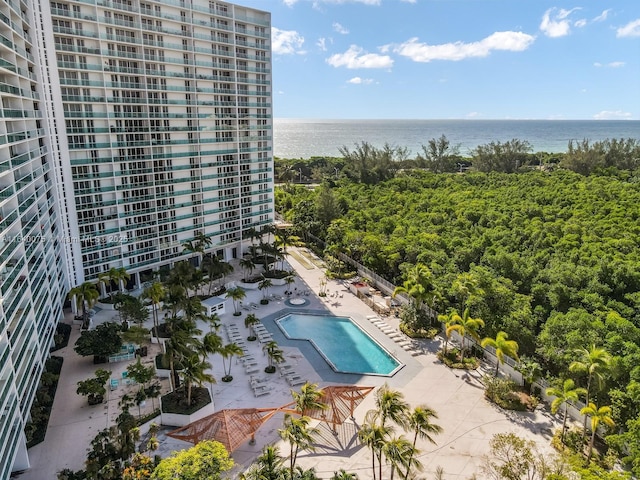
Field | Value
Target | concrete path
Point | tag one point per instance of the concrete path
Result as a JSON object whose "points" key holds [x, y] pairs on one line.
{"points": [[468, 420]]}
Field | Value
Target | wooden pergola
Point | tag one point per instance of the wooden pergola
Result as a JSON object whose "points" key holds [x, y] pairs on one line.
{"points": [[232, 427]]}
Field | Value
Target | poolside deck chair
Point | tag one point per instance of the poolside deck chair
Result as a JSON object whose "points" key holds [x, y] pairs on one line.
{"points": [[254, 306], [262, 391], [252, 369], [114, 384], [296, 380]]}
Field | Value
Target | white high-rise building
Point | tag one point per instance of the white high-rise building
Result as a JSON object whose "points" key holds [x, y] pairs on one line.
{"points": [[128, 128]]}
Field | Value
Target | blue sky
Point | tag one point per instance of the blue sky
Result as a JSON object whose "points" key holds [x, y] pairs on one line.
{"points": [[442, 59]]}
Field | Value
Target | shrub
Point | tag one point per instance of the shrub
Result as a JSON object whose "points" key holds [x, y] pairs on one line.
{"points": [[36, 429], [452, 360], [502, 392], [61, 338], [429, 333]]}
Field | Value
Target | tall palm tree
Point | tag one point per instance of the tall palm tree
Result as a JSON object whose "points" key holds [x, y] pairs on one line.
{"points": [[598, 416], [594, 361], [390, 405], [289, 280], [264, 285], [155, 294], [308, 399], [420, 422], [399, 452], [299, 435], [86, 295], [419, 286], [237, 294], [503, 347], [466, 287], [247, 264], [211, 266], [374, 435], [228, 351], [568, 393], [268, 466], [274, 353], [465, 325], [448, 320], [194, 371]]}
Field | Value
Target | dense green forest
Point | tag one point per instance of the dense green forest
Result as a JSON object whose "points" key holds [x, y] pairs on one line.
{"points": [[548, 255]]}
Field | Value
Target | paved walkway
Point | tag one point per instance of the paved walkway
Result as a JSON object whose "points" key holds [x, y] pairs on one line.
{"points": [[468, 420]]}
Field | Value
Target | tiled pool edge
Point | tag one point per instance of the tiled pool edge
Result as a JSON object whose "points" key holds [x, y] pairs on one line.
{"points": [[400, 364]]}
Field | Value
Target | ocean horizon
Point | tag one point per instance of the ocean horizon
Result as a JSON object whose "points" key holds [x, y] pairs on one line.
{"points": [[305, 138]]}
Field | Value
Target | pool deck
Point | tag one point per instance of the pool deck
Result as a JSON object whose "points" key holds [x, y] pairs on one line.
{"points": [[468, 420]]}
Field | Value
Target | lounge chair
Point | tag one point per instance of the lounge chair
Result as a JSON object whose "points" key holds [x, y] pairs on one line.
{"points": [[262, 391], [114, 384], [252, 369], [295, 380]]}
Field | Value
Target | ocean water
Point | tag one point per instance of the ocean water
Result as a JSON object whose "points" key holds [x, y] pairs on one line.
{"points": [[302, 138]]}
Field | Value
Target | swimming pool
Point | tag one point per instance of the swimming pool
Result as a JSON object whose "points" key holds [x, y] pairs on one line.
{"points": [[344, 345]]}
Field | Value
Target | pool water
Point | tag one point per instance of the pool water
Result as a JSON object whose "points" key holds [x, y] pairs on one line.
{"points": [[346, 347]]}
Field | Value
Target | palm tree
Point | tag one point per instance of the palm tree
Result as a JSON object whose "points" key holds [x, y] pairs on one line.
{"points": [[598, 416], [194, 370], [568, 393], [275, 355], [448, 320], [213, 320], [249, 321], [247, 264], [466, 287], [420, 423], [344, 475], [268, 466], [297, 433], [228, 351], [155, 294], [374, 435], [419, 286], [211, 265], [399, 452], [289, 279], [594, 362], [210, 343], [236, 294], [86, 296], [390, 405], [465, 325], [309, 398], [264, 285], [503, 347]]}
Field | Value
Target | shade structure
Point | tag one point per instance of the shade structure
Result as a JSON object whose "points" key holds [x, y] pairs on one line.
{"points": [[231, 427], [341, 402]]}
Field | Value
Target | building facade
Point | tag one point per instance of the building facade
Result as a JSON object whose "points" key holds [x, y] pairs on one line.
{"points": [[128, 128]]}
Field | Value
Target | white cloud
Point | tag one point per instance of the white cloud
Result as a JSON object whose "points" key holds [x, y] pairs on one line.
{"points": [[360, 81], [580, 23], [322, 43], [473, 115], [603, 16], [289, 3], [409, 1], [339, 28], [610, 64], [422, 52], [555, 22], [612, 115], [355, 57], [286, 42], [631, 29]]}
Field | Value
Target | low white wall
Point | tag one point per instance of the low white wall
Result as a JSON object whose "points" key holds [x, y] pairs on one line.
{"points": [[177, 420]]}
